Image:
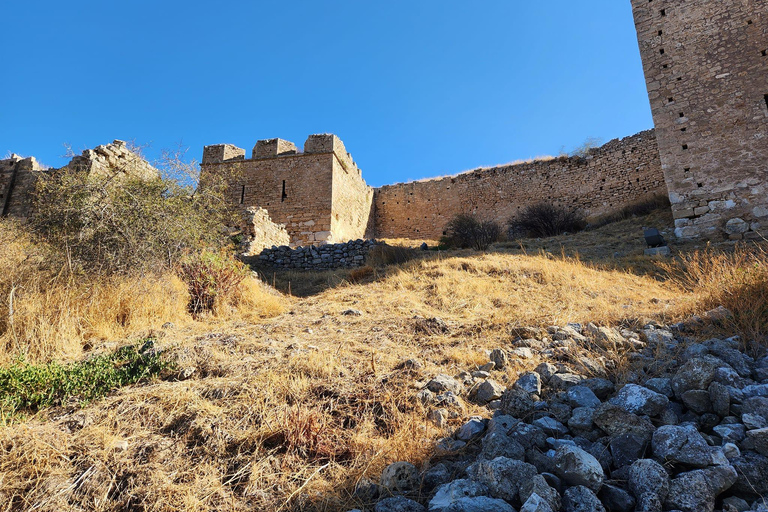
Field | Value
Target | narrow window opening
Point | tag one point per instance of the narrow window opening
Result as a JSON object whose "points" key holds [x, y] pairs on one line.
{"points": [[665, 66], [749, 22], [661, 51], [687, 169], [242, 195], [671, 100], [661, 32], [685, 146], [282, 198], [682, 114], [765, 53], [700, 185], [663, 12], [766, 100], [683, 129]]}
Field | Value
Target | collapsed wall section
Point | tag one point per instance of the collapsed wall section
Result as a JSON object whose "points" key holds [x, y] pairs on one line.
{"points": [[260, 232], [18, 176], [706, 70], [617, 174]]}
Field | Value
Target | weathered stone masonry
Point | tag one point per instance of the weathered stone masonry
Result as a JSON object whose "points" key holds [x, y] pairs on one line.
{"points": [[619, 173], [319, 195], [706, 70]]}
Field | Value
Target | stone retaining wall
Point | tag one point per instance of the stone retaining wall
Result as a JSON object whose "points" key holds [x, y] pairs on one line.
{"points": [[325, 257]]}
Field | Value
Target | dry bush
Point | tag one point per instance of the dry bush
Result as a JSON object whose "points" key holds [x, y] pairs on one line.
{"points": [[466, 231], [383, 254], [737, 280], [639, 209], [358, 275], [544, 220], [47, 312]]}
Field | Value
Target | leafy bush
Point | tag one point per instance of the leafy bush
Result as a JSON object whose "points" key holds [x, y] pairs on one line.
{"points": [[544, 219], [116, 223], [25, 386], [466, 231], [212, 278]]}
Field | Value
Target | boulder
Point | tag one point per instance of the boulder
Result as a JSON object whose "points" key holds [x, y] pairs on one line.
{"points": [[504, 477], [640, 400], [578, 467], [456, 490], [649, 482], [681, 445], [516, 402], [400, 477], [696, 491], [581, 499], [479, 504]]}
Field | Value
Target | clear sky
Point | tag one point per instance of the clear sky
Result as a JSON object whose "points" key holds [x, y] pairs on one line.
{"points": [[414, 88]]}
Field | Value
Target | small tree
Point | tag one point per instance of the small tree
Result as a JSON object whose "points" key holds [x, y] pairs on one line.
{"points": [[466, 231], [544, 219]]}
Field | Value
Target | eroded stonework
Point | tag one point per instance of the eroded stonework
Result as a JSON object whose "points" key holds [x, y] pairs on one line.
{"points": [[706, 69]]}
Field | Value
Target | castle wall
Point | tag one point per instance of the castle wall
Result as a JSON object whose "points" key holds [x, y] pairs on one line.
{"points": [[17, 183], [619, 173], [706, 69], [352, 202], [294, 189]]}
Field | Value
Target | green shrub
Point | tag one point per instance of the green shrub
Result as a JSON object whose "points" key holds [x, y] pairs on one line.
{"points": [[30, 387], [116, 223], [212, 278], [466, 231], [543, 220]]}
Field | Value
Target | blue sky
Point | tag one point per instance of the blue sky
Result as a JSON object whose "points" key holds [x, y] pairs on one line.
{"points": [[415, 88]]}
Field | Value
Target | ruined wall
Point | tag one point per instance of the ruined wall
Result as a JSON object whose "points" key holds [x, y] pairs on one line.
{"points": [[619, 173], [107, 160], [319, 195], [260, 232], [706, 69], [17, 182], [325, 257]]}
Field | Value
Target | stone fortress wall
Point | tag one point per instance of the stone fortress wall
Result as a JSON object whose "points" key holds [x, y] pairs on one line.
{"points": [[615, 175], [706, 69], [18, 175], [319, 194]]}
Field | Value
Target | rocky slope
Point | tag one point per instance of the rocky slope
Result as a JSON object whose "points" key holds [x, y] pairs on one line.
{"points": [[687, 432]]}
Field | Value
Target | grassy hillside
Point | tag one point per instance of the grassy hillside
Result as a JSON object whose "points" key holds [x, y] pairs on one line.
{"points": [[284, 402]]}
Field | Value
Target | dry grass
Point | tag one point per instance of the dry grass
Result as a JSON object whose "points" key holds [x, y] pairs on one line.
{"points": [[289, 413], [47, 314]]}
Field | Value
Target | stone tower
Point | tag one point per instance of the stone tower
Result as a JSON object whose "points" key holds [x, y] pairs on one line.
{"points": [[318, 194], [706, 70]]}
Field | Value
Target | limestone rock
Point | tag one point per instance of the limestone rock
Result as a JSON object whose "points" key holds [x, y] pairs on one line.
{"points": [[453, 491], [581, 499], [400, 477], [696, 491], [640, 400], [578, 467], [503, 476], [681, 445]]}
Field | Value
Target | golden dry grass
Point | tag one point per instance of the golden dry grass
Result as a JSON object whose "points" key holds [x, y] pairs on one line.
{"points": [[288, 413]]}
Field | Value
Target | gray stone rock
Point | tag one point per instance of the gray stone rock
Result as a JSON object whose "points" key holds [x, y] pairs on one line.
{"points": [[530, 436], [563, 381], [502, 423], [443, 383], [581, 499], [540, 487], [697, 401], [448, 446], [695, 491], [731, 433], [582, 396], [649, 482], [488, 391], [579, 467], [626, 449], [453, 491], [399, 504], [582, 418], [720, 399], [681, 445], [400, 477], [757, 406], [516, 402], [546, 371], [479, 504], [660, 385], [551, 426], [499, 358], [640, 400], [471, 429], [602, 388], [536, 503], [759, 439], [529, 382], [734, 504], [504, 477], [697, 373], [499, 444], [616, 499], [615, 420], [753, 421], [751, 469], [736, 226]]}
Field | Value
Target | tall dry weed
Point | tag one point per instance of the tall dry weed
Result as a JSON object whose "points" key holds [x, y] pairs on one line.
{"points": [[736, 280]]}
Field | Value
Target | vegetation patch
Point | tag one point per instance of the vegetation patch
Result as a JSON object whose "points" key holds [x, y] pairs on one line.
{"points": [[27, 387]]}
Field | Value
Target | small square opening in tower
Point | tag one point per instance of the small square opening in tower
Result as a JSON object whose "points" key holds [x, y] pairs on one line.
{"points": [[685, 146], [663, 12]]}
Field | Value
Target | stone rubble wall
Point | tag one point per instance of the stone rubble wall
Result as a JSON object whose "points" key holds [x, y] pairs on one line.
{"points": [[105, 161], [18, 176], [619, 173], [325, 257], [706, 71], [261, 232]]}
